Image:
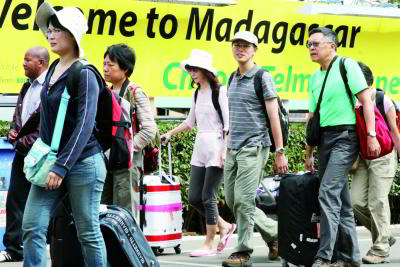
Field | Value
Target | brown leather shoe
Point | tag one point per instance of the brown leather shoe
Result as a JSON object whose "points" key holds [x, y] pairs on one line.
{"points": [[374, 259], [237, 259], [273, 253]]}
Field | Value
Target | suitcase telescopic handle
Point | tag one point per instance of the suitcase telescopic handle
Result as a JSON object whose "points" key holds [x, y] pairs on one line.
{"points": [[168, 178]]}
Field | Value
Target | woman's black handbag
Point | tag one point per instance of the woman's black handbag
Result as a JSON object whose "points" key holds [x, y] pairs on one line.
{"points": [[313, 130]]}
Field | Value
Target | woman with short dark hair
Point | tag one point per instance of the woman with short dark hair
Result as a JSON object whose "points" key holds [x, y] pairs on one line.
{"points": [[118, 65]]}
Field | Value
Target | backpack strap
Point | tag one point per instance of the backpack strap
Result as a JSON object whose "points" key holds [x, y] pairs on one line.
{"points": [[123, 88], [379, 99], [195, 95], [260, 91], [215, 101], [76, 67], [343, 73], [135, 123], [230, 79], [73, 77]]}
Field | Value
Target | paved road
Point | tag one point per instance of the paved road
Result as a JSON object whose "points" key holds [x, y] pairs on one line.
{"points": [[170, 259]]}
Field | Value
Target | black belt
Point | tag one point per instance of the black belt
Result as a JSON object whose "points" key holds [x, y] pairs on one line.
{"points": [[339, 128]]}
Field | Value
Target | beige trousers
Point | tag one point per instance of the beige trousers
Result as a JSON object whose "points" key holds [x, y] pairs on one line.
{"points": [[369, 195]]}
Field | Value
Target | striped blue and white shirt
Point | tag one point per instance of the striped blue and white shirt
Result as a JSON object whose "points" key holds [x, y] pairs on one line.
{"points": [[248, 125]]}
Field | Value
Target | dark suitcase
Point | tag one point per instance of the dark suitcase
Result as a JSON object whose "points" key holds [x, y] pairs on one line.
{"points": [[65, 249], [298, 218], [125, 242]]}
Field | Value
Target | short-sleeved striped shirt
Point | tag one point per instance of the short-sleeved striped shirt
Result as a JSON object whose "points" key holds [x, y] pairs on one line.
{"points": [[247, 122]]}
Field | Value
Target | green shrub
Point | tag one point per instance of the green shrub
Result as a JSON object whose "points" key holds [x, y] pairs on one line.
{"points": [[4, 127]]}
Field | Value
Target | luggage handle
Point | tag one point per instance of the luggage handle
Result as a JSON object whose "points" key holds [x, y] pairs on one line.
{"points": [[168, 178]]}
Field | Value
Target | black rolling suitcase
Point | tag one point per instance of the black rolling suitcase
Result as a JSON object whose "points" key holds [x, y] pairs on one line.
{"points": [[298, 218], [125, 242], [65, 249]]}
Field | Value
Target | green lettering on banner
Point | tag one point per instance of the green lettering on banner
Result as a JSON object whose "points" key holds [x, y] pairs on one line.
{"points": [[394, 83], [279, 79], [302, 78], [183, 79], [289, 76], [167, 84], [378, 82]]}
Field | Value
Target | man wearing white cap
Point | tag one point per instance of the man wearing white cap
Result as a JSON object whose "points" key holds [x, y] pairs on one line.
{"points": [[248, 148]]}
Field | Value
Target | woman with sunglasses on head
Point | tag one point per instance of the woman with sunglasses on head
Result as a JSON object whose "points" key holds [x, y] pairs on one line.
{"points": [[208, 153], [80, 164]]}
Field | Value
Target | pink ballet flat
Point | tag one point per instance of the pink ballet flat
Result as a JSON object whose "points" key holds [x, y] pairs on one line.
{"points": [[203, 253], [223, 242]]}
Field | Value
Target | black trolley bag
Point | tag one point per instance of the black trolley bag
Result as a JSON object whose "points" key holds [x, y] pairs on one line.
{"points": [[125, 242], [65, 249], [298, 218]]}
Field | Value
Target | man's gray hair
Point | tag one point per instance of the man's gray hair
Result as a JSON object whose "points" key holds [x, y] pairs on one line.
{"points": [[331, 35]]}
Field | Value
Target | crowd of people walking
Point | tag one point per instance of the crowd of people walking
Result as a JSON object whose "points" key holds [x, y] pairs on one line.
{"points": [[231, 148]]}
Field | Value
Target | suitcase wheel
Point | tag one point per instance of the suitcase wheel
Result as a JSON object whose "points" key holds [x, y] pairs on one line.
{"points": [[178, 249]]}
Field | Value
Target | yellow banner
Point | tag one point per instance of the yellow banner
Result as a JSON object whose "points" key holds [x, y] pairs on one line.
{"points": [[163, 34]]}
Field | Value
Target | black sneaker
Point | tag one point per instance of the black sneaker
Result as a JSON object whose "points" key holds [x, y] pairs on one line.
{"points": [[7, 257]]}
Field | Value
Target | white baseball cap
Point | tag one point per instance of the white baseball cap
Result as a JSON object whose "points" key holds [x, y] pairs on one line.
{"points": [[246, 36], [69, 17], [200, 59]]}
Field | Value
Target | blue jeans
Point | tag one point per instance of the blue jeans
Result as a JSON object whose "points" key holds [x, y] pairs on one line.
{"points": [[84, 183]]}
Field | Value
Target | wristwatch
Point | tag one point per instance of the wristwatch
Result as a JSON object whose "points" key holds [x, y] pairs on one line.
{"points": [[371, 133], [280, 150]]}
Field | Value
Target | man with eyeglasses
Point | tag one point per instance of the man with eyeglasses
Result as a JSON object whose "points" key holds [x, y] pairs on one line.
{"points": [[248, 146], [339, 147]]}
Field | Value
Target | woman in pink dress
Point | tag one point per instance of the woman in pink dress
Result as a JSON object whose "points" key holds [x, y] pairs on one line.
{"points": [[209, 148]]}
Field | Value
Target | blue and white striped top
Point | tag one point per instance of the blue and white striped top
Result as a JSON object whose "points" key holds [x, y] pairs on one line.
{"points": [[248, 124]]}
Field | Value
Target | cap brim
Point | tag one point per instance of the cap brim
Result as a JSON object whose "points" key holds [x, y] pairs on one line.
{"points": [[235, 39], [43, 14]]}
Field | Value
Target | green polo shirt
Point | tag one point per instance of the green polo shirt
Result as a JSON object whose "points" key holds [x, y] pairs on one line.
{"points": [[336, 108]]}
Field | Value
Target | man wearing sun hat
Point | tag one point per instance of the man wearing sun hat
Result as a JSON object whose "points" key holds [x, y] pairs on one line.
{"points": [[248, 148]]}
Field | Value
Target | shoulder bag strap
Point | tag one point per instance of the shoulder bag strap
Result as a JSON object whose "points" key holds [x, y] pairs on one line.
{"points": [[123, 88], [343, 73], [62, 110], [323, 85]]}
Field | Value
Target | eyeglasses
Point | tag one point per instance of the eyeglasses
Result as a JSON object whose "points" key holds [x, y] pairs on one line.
{"points": [[55, 30], [316, 44], [238, 46]]}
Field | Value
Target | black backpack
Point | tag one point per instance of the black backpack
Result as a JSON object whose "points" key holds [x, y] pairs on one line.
{"points": [[214, 98], [113, 123], [282, 111]]}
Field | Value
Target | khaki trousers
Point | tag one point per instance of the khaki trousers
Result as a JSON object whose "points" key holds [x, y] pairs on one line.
{"points": [[369, 194], [242, 173]]}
